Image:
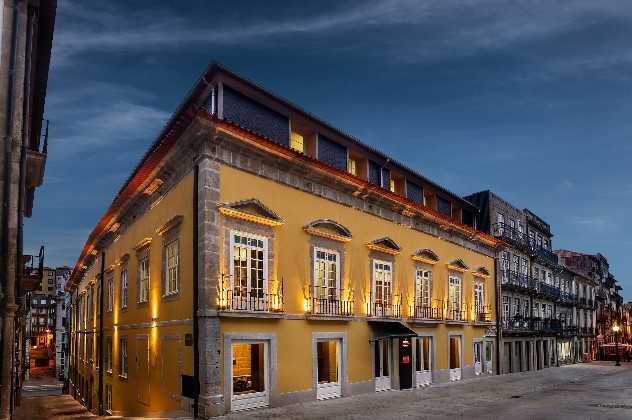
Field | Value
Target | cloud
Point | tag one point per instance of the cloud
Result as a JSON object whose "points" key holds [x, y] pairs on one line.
{"points": [[420, 31], [100, 115]]}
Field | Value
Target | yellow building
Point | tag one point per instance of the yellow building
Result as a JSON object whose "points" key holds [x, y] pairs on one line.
{"points": [[258, 256]]}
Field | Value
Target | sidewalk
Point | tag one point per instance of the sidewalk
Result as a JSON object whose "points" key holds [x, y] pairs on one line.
{"points": [[51, 407]]}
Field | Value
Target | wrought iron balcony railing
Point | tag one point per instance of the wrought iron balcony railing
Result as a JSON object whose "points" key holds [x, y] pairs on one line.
{"points": [[517, 324], [483, 313], [568, 298], [549, 291], [329, 302], [509, 234], [583, 301], [514, 279], [386, 310], [544, 255], [535, 325], [454, 312], [424, 310], [242, 298]]}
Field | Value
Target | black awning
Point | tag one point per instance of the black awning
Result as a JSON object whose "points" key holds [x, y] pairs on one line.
{"points": [[384, 329]]}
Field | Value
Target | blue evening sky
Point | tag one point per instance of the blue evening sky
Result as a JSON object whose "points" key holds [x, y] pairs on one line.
{"points": [[531, 99]]}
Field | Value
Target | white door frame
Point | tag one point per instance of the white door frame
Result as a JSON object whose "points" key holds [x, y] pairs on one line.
{"points": [[478, 366], [330, 389], [457, 373], [270, 363], [383, 383], [424, 377], [488, 364]]}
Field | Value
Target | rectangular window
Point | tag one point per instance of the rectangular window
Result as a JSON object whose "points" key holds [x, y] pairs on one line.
{"points": [[249, 255], [109, 291], [172, 261], [108, 398], [525, 308], [143, 277], [516, 307], [352, 166], [516, 264], [123, 357], [326, 274], [108, 354], [391, 185], [525, 266], [454, 296], [500, 219], [414, 192], [296, 142], [444, 206], [383, 276], [124, 286], [479, 297], [423, 288], [248, 368]]}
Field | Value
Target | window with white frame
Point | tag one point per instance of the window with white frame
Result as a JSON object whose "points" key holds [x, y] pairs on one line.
{"points": [[479, 297], [525, 308], [454, 293], [109, 291], [500, 219], [505, 307], [516, 264], [108, 398], [143, 276], [383, 283], [249, 273], [524, 266], [124, 286], [423, 288], [326, 274], [123, 357], [515, 310], [504, 264], [171, 264], [108, 354]]}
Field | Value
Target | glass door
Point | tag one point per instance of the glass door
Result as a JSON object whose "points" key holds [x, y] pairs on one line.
{"points": [[328, 365], [489, 351], [382, 355], [249, 272], [249, 375], [455, 358], [454, 298], [423, 356], [383, 277], [478, 358]]}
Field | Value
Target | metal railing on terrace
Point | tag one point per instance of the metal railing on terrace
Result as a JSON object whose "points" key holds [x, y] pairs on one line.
{"points": [[454, 312], [568, 298], [544, 255], [329, 301], [511, 235], [483, 313], [430, 311], [386, 310], [549, 291], [514, 279], [237, 296], [535, 325]]}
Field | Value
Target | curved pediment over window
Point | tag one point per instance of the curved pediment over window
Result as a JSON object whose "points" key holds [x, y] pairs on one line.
{"points": [[329, 229], [385, 244], [458, 265], [426, 255], [481, 271], [251, 210]]}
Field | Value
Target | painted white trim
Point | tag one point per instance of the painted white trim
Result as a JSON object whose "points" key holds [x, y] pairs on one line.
{"points": [[232, 256], [329, 251]]}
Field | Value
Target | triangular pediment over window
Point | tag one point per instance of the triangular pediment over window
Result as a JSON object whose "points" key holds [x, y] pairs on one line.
{"points": [[426, 255], [481, 271], [251, 210], [458, 265], [329, 229], [385, 244]]}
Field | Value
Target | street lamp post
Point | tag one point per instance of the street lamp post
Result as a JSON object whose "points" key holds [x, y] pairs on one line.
{"points": [[615, 330]]}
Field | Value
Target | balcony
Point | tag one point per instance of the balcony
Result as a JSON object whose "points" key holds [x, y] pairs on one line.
{"points": [[548, 326], [568, 298], [425, 311], [510, 235], [544, 255], [517, 281], [483, 313], [32, 271], [332, 305], [569, 331], [386, 310], [456, 313], [517, 325], [549, 291], [243, 300], [582, 301]]}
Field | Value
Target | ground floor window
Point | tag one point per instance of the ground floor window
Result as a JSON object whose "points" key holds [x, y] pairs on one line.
{"points": [[328, 369], [455, 357], [249, 375]]}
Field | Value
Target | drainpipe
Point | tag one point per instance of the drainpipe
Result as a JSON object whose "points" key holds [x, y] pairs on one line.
{"points": [[75, 321], [8, 296], [499, 332], [196, 351], [100, 342]]}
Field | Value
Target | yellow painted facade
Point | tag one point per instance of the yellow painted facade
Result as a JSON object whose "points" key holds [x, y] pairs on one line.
{"points": [[162, 322], [292, 264]]}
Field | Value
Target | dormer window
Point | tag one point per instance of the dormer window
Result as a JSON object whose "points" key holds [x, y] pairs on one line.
{"points": [[297, 142], [444, 206], [352, 166], [391, 185]]}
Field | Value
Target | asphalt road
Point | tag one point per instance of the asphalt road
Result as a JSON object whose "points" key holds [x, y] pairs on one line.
{"points": [[584, 391]]}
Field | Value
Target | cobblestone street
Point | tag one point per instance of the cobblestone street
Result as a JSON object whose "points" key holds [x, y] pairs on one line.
{"points": [[584, 391]]}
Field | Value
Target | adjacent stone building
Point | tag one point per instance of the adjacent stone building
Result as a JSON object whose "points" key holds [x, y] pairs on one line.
{"points": [[26, 33], [527, 284]]}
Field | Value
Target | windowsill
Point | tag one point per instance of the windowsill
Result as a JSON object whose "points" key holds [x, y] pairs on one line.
{"points": [[109, 372], [171, 296], [123, 377], [108, 412]]}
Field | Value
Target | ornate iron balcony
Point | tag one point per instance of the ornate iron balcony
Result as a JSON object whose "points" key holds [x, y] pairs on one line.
{"points": [[332, 304], [513, 279], [242, 298], [454, 312], [427, 311], [483, 313], [549, 291], [386, 310], [511, 235]]}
